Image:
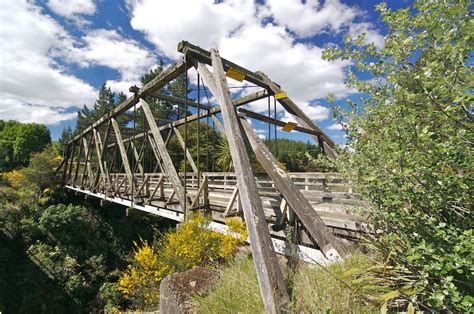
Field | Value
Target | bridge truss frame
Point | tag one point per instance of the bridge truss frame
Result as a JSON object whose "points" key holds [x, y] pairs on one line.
{"points": [[97, 179]]}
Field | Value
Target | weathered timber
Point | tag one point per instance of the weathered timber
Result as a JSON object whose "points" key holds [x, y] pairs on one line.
{"points": [[302, 118], [270, 278], [305, 212], [185, 149], [87, 151], [123, 152], [270, 120], [167, 75], [76, 172], [178, 100], [100, 153], [203, 114], [168, 166], [204, 56], [136, 155]]}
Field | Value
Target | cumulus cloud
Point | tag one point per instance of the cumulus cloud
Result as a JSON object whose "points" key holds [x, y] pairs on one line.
{"points": [[260, 36], [73, 9], [110, 49], [311, 17], [202, 22], [32, 84]]}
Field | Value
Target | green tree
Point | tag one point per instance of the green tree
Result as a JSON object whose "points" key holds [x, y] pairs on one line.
{"points": [[66, 135], [19, 140], [410, 148]]}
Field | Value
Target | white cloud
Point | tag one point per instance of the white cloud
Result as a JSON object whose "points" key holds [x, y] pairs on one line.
{"points": [[110, 49], [311, 17], [31, 82], [336, 126], [73, 9], [243, 33], [297, 67], [371, 34], [202, 22], [17, 110]]}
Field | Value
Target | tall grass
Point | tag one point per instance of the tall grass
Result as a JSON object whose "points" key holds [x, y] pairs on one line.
{"points": [[313, 289]]}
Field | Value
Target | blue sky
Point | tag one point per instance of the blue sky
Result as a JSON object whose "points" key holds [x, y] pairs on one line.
{"points": [[56, 54]]}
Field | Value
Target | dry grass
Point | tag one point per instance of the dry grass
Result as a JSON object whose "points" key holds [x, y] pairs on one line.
{"points": [[313, 290]]}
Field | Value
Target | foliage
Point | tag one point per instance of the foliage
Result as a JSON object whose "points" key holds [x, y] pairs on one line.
{"points": [[19, 140], [224, 158], [298, 156], [410, 148], [106, 101], [190, 246], [314, 290], [41, 173], [15, 178], [66, 135]]}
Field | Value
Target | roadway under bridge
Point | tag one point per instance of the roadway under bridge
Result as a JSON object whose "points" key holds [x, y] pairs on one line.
{"points": [[131, 166]]}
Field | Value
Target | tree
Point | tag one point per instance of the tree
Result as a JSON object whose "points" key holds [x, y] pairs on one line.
{"points": [[19, 140], [410, 148], [66, 135]]}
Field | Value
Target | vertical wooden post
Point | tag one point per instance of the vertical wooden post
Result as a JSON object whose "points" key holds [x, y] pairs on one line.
{"points": [[305, 212], [270, 278]]}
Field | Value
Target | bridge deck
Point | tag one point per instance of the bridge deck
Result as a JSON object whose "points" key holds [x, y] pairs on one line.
{"points": [[329, 195]]}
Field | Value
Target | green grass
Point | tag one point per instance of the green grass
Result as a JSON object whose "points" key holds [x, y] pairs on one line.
{"points": [[313, 290]]}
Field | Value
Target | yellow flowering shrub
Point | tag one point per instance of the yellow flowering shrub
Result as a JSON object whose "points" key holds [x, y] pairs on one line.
{"points": [[15, 178], [140, 282], [191, 245]]}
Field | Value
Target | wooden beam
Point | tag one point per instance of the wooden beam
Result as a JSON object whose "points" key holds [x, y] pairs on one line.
{"points": [[178, 100], [204, 56], [270, 120], [203, 114], [168, 166], [137, 157], [77, 162], [270, 278], [123, 152], [305, 212], [100, 149], [185, 149], [90, 175], [167, 75], [302, 118]]}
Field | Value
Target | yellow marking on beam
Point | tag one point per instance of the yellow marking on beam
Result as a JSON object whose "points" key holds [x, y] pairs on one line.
{"points": [[289, 126], [281, 95], [236, 74]]}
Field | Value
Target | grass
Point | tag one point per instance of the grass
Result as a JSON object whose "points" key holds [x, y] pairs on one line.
{"points": [[313, 290]]}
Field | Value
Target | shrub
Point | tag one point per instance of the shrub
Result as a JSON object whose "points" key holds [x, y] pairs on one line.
{"points": [[190, 246], [410, 149], [15, 178]]}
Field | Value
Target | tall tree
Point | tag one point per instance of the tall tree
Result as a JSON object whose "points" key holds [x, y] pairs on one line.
{"points": [[410, 148]]}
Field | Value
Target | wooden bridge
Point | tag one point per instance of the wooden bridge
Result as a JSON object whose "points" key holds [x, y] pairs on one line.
{"points": [[108, 160]]}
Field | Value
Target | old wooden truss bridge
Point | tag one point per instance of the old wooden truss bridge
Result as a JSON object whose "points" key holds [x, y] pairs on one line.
{"points": [[108, 162]]}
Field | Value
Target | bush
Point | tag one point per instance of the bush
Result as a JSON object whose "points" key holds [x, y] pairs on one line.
{"points": [[190, 246], [410, 149]]}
